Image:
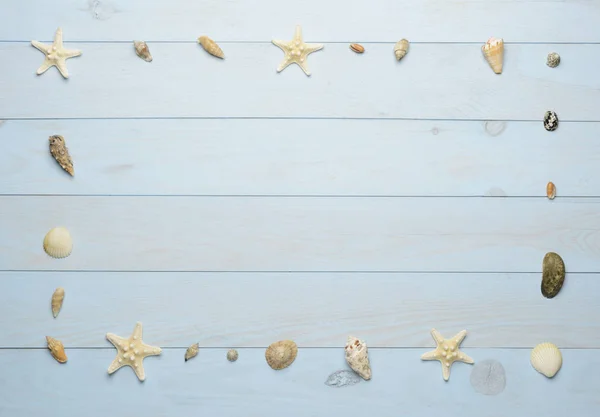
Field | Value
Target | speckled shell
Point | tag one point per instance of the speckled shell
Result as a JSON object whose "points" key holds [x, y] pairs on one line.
{"points": [[553, 60], [551, 190], [553, 274], [546, 359], [141, 49], [493, 51], [401, 49], [56, 349], [58, 243], [60, 152], [57, 301], [232, 355], [191, 351], [550, 121], [211, 47], [281, 354], [357, 356]]}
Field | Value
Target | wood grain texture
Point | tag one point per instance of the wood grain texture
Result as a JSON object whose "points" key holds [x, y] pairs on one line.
{"points": [[301, 157], [263, 20], [210, 385], [302, 234], [435, 81], [314, 310]]}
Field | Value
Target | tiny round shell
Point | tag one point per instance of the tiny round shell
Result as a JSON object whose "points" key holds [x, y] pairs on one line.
{"points": [[550, 121], [553, 60], [232, 355], [281, 354], [58, 243], [551, 190], [401, 49], [546, 359]]}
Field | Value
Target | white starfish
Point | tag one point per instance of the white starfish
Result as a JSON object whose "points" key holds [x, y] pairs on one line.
{"points": [[296, 51], [56, 54], [447, 352], [131, 352]]}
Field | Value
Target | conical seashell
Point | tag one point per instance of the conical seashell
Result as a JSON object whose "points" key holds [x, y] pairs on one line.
{"points": [[58, 243], [141, 49], [493, 50], [546, 359], [553, 274], [211, 47], [60, 152], [401, 49], [357, 357], [56, 349], [191, 351], [281, 354], [57, 301]]}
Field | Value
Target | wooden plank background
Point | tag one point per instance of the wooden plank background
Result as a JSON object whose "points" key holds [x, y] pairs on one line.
{"points": [[222, 203]]}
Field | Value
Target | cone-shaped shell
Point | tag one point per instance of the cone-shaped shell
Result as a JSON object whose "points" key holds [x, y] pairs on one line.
{"points": [[553, 274], [357, 356], [56, 349], [211, 47], [493, 51], [141, 49], [546, 359], [191, 351], [57, 301], [58, 243], [401, 49], [281, 354]]}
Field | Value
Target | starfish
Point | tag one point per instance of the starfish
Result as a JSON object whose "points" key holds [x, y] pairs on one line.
{"points": [[296, 51], [56, 54], [447, 352], [131, 351]]}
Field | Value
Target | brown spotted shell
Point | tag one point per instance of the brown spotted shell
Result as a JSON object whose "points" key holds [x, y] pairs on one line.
{"points": [[553, 274], [281, 354], [56, 349]]}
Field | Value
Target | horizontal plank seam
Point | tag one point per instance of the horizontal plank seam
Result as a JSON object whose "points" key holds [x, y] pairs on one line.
{"points": [[299, 347], [189, 271], [263, 42], [431, 119], [328, 196]]}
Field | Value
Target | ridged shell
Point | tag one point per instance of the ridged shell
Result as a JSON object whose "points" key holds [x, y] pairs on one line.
{"points": [[141, 49], [281, 354], [550, 121], [401, 49], [57, 301], [493, 51], [358, 48], [58, 243], [551, 190], [191, 351], [553, 274], [56, 349], [211, 47], [553, 60], [232, 355], [546, 359], [357, 356]]}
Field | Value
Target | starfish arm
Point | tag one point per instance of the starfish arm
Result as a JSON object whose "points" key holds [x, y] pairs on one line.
{"points": [[139, 371], [312, 47], [117, 341], [298, 33], [460, 336], [62, 68], [115, 365], [70, 53], [151, 350], [280, 44], [304, 67], [284, 64], [429, 356], [137, 331], [44, 67], [58, 38], [439, 339], [465, 358], [445, 371], [40, 46]]}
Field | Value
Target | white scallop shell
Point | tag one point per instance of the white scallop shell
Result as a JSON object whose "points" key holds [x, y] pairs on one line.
{"points": [[546, 359], [58, 243]]}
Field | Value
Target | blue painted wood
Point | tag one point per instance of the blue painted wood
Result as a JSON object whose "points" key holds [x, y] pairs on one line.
{"points": [[302, 157], [209, 384]]}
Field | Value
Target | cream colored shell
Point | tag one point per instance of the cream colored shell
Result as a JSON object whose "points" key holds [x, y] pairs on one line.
{"points": [[211, 47], [357, 357], [56, 349], [401, 49], [493, 51], [192, 351], [58, 243], [281, 354], [546, 359], [57, 301], [232, 355], [142, 50]]}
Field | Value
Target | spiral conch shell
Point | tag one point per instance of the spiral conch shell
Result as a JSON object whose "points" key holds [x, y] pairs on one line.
{"points": [[57, 301], [493, 51], [357, 357], [281, 354], [401, 49], [192, 351], [546, 359], [58, 243], [211, 47], [141, 49], [56, 349]]}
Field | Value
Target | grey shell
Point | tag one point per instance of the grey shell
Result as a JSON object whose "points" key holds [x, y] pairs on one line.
{"points": [[550, 121], [553, 274]]}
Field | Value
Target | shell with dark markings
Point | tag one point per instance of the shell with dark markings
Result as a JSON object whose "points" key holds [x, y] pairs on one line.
{"points": [[553, 274], [553, 60], [60, 152], [550, 121]]}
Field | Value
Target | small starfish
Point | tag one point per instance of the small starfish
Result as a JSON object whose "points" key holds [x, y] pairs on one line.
{"points": [[131, 352], [296, 51], [56, 54], [447, 352]]}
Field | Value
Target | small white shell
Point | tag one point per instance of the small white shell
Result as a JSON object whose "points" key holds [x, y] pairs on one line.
{"points": [[546, 359], [401, 49], [58, 243]]}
